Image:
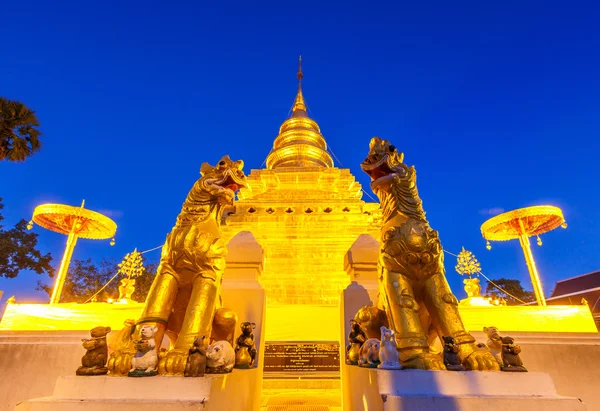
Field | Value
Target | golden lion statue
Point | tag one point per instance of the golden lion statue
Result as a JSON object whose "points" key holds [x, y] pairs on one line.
{"points": [[413, 286], [185, 294]]}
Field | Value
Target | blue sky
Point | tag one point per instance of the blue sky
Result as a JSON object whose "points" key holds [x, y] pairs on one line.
{"points": [[495, 103]]}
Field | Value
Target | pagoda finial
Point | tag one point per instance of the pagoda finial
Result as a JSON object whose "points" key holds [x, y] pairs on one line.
{"points": [[300, 74], [300, 142], [299, 108]]}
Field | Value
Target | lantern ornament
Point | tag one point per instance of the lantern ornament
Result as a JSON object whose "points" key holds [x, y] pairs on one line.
{"points": [[522, 224]]}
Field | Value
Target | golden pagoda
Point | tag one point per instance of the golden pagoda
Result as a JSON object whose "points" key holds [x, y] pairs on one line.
{"points": [[305, 213]]}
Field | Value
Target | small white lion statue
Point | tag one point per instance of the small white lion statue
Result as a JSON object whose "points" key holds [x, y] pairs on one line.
{"points": [[145, 360], [220, 357], [494, 343], [388, 353]]}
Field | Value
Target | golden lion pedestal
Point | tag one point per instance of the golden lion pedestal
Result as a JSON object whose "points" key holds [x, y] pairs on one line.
{"points": [[414, 291], [185, 296]]}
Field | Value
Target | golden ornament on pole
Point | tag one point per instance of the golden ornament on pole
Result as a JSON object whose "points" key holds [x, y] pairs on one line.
{"points": [[131, 267], [467, 264], [75, 222], [522, 224]]}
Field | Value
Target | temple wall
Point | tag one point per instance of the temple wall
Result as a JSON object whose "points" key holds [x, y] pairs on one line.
{"points": [[571, 361], [31, 361], [559, 340], [570, 358]]}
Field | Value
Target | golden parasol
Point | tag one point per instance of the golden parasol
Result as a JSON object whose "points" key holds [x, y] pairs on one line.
{"points": [[522, 224], [75, 222]]}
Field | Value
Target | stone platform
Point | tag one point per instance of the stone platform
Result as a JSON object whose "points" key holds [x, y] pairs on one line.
{"points": [[232, 392], [383, 390]]}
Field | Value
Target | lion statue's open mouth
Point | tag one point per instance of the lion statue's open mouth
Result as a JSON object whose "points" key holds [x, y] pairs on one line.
{"points": [[412, 278], [225, 178], [231, 181], [383, 161]]}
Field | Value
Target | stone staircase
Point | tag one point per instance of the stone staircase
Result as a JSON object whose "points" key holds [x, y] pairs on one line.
{"points": [[301, 392]]}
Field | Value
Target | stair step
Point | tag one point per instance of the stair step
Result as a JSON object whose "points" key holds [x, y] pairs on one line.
{"points": [[302, 384], [103, 404], [299, 408]]}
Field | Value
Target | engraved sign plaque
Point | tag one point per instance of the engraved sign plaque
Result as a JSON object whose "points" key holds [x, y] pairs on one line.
{"points": [[302, 356]]}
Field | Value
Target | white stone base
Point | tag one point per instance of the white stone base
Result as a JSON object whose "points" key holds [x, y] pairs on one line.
{"points": [[235, 392], [482, 403], [382, 390]]}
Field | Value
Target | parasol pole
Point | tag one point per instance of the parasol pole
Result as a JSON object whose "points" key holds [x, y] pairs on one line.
{"points": [[64, 266], [533, 272], [66, 261]]}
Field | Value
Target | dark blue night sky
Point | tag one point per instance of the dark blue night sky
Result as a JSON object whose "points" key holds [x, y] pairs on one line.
{"points": [[495, 103]]}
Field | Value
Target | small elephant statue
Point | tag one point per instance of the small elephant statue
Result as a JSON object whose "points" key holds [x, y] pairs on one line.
{"points": [[196, 361], [369, 353], [245, 348], [220, 358], [451, 358], [144, 362], [356, 339], [511, 361], [94, 360], [388, 352]]}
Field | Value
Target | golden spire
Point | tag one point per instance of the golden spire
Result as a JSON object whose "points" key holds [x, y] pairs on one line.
{"points": [[299, 108], [300, 142]]}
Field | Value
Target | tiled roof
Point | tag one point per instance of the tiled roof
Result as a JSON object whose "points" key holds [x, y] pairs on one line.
{"points": [[576, 284]]}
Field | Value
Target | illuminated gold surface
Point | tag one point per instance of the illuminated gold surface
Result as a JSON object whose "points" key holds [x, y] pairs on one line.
{"points": [[552, 318], [75, 222], [476, 301], [472, 287], [523, 223], [61, 276], [412, 277], [67, 316], [299, 143], [467, 264], [131, 267], [305, 213], [305, 220], [84, 317], [186, 290]]}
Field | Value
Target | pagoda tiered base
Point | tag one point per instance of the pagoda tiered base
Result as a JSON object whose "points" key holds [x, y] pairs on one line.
{"points": [[383, 390]]}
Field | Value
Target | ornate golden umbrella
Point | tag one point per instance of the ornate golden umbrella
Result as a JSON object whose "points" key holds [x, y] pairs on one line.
{"points": [[75, 222], [522, 224]]}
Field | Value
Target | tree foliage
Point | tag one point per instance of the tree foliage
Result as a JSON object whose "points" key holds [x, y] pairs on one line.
{"points": [[18, 251], [85, 278], [143, 282], [512, 288], [19, 137]]}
